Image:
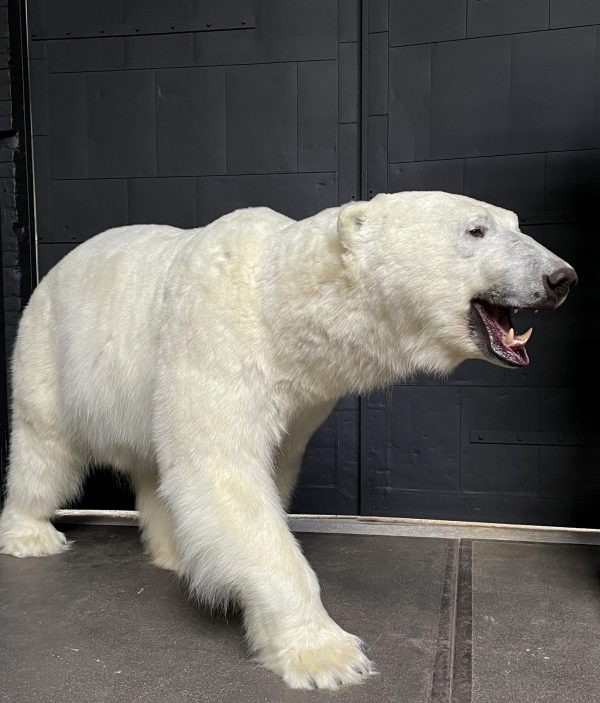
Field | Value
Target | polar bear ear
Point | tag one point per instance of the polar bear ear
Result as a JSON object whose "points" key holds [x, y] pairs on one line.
{"points": [[350, 219]]}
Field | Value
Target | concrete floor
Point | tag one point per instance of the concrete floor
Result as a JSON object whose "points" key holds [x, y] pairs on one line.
{"points": [[446, 621]]}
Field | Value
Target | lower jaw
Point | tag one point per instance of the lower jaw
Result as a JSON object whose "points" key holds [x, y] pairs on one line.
{"points": [[487, 352]]}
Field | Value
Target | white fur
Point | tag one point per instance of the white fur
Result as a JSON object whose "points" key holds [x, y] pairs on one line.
{"points": [[200, 362]]}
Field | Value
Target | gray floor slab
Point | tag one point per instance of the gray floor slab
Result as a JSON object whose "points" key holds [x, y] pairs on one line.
{"points": [[536, 623], [101, 624]]}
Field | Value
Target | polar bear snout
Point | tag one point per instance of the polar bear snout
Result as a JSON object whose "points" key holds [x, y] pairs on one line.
{"points": [[537, 280], [531, 276], [558, 284]]}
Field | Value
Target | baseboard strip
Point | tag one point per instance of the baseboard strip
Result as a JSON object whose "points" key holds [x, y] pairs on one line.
{"points": [[367, 525]]}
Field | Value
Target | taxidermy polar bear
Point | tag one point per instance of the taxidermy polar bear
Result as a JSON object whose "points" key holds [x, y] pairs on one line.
{"points": [[199, 362]]}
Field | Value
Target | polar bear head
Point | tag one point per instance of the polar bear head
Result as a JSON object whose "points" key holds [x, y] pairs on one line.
{"points": [[450, 270]]}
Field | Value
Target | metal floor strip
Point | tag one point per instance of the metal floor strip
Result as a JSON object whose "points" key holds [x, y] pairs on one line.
{"points": [[441, 680], [462, 670]]}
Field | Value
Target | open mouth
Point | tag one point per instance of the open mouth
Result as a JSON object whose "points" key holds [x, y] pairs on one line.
{"points": [[495, 333]]}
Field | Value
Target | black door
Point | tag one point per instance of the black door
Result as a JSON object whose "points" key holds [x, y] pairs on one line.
{"points": [[499, 100], [178, 112]]}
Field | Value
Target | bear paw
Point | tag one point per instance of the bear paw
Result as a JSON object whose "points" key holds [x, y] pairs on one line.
{"points": [[338, 662], [33, 538]]}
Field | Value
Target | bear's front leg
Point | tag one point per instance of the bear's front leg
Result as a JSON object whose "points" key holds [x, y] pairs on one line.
{"points": [[288, 458], [234, 543]]}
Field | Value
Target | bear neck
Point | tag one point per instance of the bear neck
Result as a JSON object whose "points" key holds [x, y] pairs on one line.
{"points": [[327, 329]]}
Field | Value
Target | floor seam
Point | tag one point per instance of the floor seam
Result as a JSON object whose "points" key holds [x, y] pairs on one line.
{"points": [[441, 681], [462, 669]]}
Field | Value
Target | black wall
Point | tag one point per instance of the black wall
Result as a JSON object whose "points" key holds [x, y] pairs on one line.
{"points": [[16, 202], [178, 112], [499, 100]]}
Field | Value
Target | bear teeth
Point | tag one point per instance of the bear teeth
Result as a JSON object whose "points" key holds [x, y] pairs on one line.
{"points": [[526, 335], [512, 340]]}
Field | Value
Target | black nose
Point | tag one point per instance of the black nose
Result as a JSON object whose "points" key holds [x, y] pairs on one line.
{"points": [[558, 282]]}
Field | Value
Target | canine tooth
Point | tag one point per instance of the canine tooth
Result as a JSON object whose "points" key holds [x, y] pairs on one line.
{"points": [[509, 337], [515, 311], [524, 338], [535, 312]]}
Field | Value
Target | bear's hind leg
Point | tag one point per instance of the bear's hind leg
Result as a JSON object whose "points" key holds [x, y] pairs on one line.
{"points": [[155, 522], [45, 473]]}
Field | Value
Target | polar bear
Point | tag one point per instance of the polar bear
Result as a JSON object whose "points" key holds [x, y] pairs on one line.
{"points": [[199, 362]]}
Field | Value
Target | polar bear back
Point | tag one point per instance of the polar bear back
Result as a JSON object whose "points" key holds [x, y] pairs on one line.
{"points": [[91, 330]]}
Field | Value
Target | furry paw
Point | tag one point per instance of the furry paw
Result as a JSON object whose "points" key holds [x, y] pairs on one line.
{"points": [[336, 662], [31, 538]]}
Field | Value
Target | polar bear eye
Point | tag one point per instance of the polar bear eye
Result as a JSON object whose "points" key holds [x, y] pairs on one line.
{"points": [[476, 231]]}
